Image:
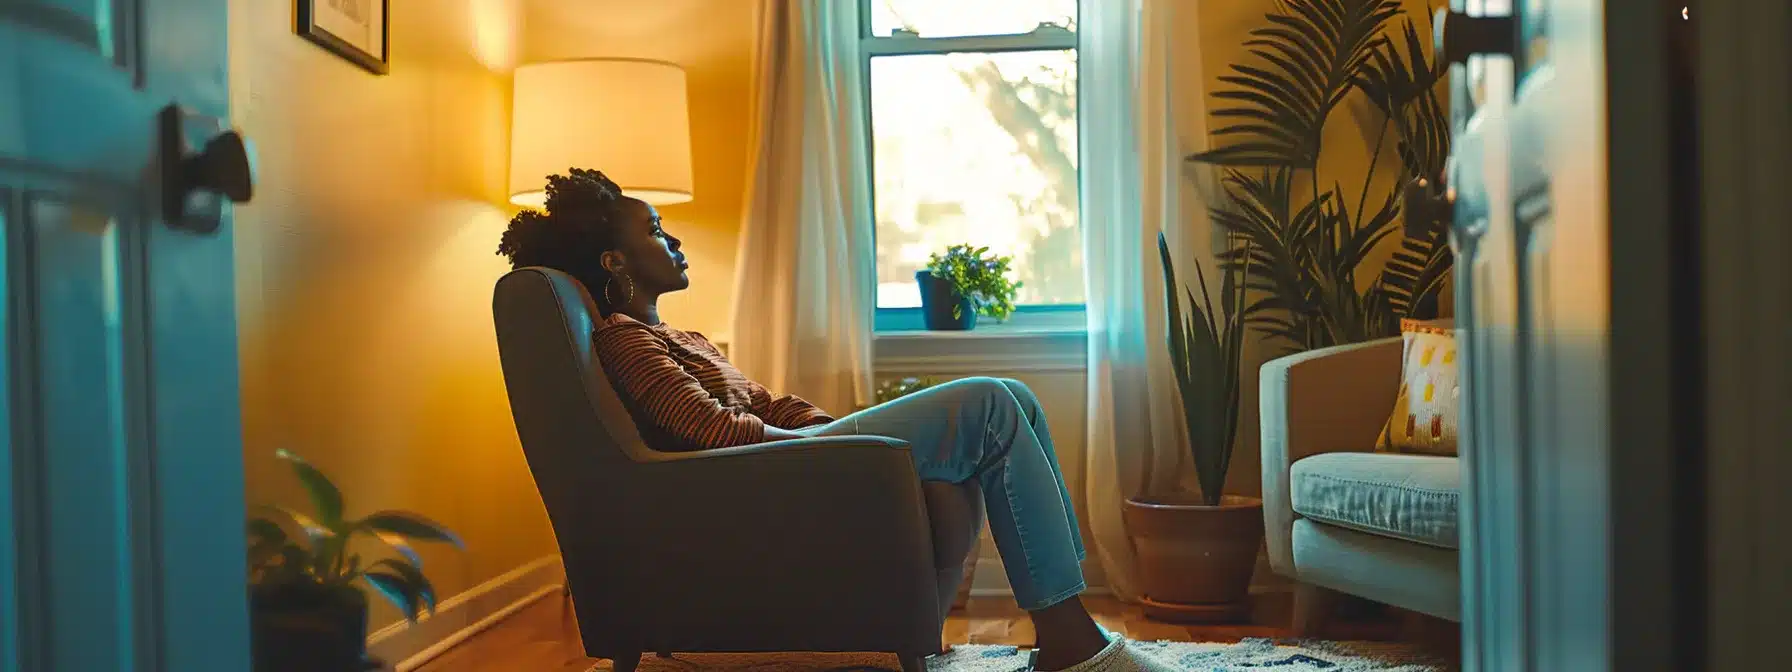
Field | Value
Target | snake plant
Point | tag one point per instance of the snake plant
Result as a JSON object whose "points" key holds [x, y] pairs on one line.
{"points": [[1206, 351]]}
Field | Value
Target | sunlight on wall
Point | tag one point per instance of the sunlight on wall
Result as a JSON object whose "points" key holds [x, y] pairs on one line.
{"points": [[367, 262], [1347, 138], [713, 41], [494, 30]]}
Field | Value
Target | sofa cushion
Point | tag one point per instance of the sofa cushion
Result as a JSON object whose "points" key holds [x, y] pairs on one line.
{"points": [[1411, 497], [1428, 407]]}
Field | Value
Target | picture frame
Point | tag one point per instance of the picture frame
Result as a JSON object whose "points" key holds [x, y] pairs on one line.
{"points": [[356, 30]]}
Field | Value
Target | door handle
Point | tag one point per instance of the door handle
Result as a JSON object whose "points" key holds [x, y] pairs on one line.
{"points": [[1459, 36], [223, 168], [1465, 224], [1426, 204]]}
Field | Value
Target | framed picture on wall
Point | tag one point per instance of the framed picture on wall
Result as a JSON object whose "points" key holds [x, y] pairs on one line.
{"points": [[352, 29]]}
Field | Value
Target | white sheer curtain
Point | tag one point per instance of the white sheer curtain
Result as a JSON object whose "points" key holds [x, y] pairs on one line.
{"points": [[1141, 113], [806, 279]]}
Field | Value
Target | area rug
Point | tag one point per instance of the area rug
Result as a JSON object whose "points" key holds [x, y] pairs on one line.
{"points": [[1250, 654]]}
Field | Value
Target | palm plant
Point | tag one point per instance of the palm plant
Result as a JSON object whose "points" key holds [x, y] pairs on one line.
{"points": [[1206, 348], [318, 557], [1303, 256]]}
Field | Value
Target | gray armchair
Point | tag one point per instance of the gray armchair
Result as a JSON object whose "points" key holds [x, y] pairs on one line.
{"points": [[1340, 516], [808, 545]]}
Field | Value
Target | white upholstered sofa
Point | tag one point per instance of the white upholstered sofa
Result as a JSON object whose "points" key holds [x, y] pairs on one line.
{"points": [[1338, 515]]}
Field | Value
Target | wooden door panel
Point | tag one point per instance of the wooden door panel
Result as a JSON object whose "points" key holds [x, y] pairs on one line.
{"points": [[84, 433], [1533, 193], [75, 148], [18, 529], [1487, 318], [104, 27], [1488, 311], [74, 64], [1533, 38]]}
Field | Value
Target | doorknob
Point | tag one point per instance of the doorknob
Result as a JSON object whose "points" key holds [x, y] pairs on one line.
{"points": [[1425, 203], [195, 182], [1459, 36]]}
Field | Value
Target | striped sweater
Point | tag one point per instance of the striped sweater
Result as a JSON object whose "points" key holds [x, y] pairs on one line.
{"points": [[683, 392]]}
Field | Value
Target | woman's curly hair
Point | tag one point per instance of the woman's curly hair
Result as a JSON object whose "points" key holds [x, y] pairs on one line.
{"points": [[580, 222]]}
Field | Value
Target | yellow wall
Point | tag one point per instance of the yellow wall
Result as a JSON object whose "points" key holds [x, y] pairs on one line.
{"points": [[366, 263], [1344, 158], [366, 260], [713, 40]]}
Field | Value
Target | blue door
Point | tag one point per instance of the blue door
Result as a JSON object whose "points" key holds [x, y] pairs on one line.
{"points": [[121, 497]]}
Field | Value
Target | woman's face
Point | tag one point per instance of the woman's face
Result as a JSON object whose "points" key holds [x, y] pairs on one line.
{"points": [[647, 254]]}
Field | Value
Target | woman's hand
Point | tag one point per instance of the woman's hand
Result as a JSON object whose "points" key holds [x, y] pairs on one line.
{"points": [[781, 434]]}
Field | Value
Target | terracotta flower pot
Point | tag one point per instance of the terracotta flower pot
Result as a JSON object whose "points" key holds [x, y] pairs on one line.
{"points": [[1195, 561]]}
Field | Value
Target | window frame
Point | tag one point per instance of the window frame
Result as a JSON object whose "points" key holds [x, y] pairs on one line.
{"points": [[1026, 318]]}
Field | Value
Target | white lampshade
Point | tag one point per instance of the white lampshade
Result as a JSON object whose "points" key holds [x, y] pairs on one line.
{"points": [[625, 117]]}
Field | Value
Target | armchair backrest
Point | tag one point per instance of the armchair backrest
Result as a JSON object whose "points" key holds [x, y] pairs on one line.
{"points": [[577, 436]]}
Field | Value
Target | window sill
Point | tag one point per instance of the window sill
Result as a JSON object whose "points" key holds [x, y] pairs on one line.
{"points": [[992, 349], [1027, 343]]}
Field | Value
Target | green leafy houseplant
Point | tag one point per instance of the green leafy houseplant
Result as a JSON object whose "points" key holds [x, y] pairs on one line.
{"points": [[303, 573], [978, 276], [1306, 239]]}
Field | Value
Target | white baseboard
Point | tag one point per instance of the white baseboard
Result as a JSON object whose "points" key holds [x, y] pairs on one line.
{"points": [[466, 614]]}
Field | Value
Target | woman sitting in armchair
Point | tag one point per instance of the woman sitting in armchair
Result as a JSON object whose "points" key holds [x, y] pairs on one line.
{"points": [[979, 444]]}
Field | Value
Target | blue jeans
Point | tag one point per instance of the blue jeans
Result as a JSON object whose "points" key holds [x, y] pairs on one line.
{"points": [[992, 430]]}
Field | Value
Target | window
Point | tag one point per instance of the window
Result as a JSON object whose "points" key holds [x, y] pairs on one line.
{"points": [[973, 123]]}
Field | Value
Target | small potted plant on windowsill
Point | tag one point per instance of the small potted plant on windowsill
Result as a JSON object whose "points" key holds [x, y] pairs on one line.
{"points": [[1197, 551], [963, 283], [305, 611]]}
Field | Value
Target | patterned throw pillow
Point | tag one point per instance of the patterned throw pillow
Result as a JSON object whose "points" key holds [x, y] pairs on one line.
{"points": [[1430, 402]]}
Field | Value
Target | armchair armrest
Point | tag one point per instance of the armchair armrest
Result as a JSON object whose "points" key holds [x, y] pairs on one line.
{"points": [[1323, 401], [811, 443], [806, 526]]}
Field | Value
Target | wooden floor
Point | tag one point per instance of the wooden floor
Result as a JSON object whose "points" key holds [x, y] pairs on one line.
{"points": [[542, 637]]}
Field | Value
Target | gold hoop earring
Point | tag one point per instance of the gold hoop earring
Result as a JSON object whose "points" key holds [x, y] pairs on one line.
{"points": [[628, 289]]}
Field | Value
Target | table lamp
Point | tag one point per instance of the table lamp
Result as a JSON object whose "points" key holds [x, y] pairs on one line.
{"points": [[626, 117]]}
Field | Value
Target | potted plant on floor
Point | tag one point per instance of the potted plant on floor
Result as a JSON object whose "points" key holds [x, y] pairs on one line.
{"points": [[1299, 241], [306, 611], [1196, 552], [963, 283]]}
